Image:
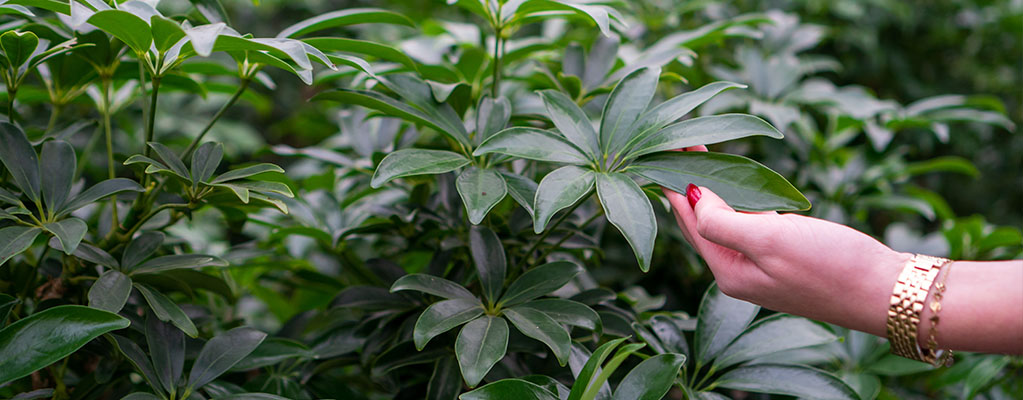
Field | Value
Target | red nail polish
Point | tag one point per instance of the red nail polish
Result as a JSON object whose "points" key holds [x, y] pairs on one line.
{"points": [[693, 194]]}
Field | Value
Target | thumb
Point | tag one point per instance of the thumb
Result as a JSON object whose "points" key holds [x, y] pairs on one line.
{"points": [[721, 224]]}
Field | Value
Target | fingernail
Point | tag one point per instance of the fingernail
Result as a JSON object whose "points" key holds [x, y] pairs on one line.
{"points": [[693, 194]]}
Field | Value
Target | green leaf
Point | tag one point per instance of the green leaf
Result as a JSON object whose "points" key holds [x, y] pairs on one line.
{"points": [[247, 172], [273, 351], [363, 47], [409, 162], [205, 161], [91, 254], [58, 169], [125, 26], [532, 144], [21, 160], [669, 333], [521, 189], [170, 159], [380, 102], [45, 337], [211, 10], [744, 184], [179, 261], [140, 396], [592, 368], [651, 379], [138, 358], [669, 111], [140, 248], [430, 284], [721, 320], [703, 131], [69, 232], [166, 32], [789, 380], [100, 191], [223, 352], [610, 368], [480, 344], [445, 383], [491, 117], [7, 302], [167, 310], [18, 47], [981, 375], [509, 389], [624, 106], [773, 334], [571, 121], [542, 327], [110, 292], [490, 260], [629, 210], [443, 316], [167, 349], [16, 239], [481, 190], [558, 190], [566, 312], [344, 18], [539, 281]]}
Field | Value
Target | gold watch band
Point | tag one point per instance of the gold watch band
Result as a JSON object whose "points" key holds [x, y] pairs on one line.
{"points": [[907, 301]]}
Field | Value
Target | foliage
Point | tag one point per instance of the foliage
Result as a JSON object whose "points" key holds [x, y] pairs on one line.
{"points": [[433, 233]]}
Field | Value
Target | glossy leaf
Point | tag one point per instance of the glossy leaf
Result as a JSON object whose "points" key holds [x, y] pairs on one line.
{"points": [[509, 389], [624, 106], [704, 130], [443, 316], [542, 327], [344, 18], [20, 159], [661, 115], [481, 190], [430, 284], [521, 189], [140, 248], [558, 190], [584, 379], [58, 170], [629, 210], [771, 335], [409, 162], [167, 310], [179, 261], [167, 349], [571, 122], [488, 256], [539, 281], [743, 183], [480, 344], [45, 337], [69, 232], [491, 117], [651, 379], [110, 292], [566, 312], [16, 239], [789, 380], [221, 353], [532, 144], [99, 191], [721, 320]]}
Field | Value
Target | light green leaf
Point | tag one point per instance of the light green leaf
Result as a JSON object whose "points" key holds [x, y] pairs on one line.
{"points": [[347, 17], [221, 353], [69, 232], [542, 327], [743, 183], [566, 312], [629, 210], [558, 190], [773, 334], [166, 32], [45, 337], [571, 121], [539, 281], [16, 239], [789, 380], [532, 144], [480, 344], [442, 316], [57, 165], [18, 47], [167, 310], [721, 320], [651, 379], [481, 190], [583, 380], [110, 292], [624, 106], [509, 389], [703, 131], [490, 260], [21, 160], [430, 284], [409, 162], [127, 27]]}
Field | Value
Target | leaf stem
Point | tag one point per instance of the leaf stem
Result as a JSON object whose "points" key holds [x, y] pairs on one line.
{"points": [[550, 228], [198, 139], [564, 239], [110, 150], [494, 90]]}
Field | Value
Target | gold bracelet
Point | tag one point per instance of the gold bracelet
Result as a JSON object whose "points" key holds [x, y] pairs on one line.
{"points": [[907, 301], [932, 336]]}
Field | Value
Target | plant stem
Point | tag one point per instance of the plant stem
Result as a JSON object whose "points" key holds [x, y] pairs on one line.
{"points": [[497, 62], [11, 94], [550, 228], [151, 117], [53, 118], [110, 150], [198, 139], [557, 245]]}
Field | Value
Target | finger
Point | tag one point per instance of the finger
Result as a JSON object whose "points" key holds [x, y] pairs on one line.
{"points": [[678, 200], [722, 225], [687, 221]]}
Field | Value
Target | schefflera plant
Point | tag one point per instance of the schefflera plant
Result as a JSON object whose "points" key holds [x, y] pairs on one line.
{"points": [[635, 140]]}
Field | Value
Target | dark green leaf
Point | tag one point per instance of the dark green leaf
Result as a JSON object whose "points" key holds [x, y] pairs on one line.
{"points": [[651, 379], [443, 316], [542, 327], [99, 191], [167, 349], [6, 303], [539, 281], [704, 130], [69, 232], [271, 352], [571, 121], [436, 286], [489, 258], [509, 389], [446, 383], [110, 292], [776, 333], [629, 210], [20, 158], [789, 380], [721, 320], [380, 102], [481, 190], [558, 190], [167, 310], [179, 261], [170, 159], [480, 344], [583, 380], [533, 144], [363, 47], [247, 172], [58, 170], [624, 105], [669, 333], [223, 352], [743, 183], [522, 189], [138, 358], [205, 161], [140, 248], [370, 298], [404, 354], [669, 111], [91, 254], [410, 162], [43, 338], [14, 240], [344, 18], [491, 117], [566, 312]]}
